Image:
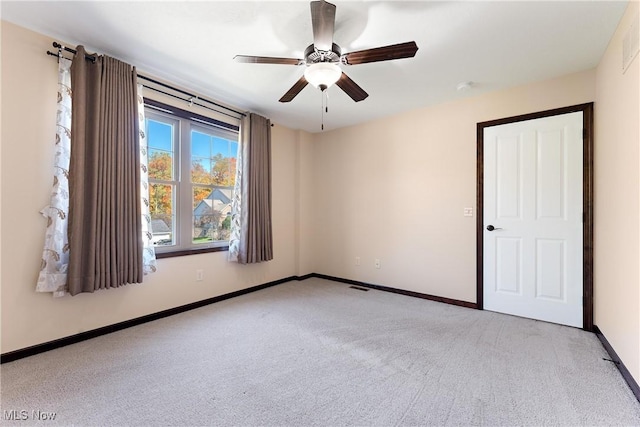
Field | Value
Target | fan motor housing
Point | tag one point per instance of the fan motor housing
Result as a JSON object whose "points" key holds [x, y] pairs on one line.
{"points": [[314, 56]]}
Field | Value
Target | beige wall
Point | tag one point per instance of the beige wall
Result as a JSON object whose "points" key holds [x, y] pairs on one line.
{"points": [[28, 129], [395, 189], [617, 200], [306, 226]]}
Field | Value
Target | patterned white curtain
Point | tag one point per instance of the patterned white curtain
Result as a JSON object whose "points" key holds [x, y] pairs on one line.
{"points": [[236, 202], [148, 250], [55, 255]]}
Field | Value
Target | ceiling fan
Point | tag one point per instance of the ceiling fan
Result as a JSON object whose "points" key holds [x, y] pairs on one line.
{"points": [[323, 58]]}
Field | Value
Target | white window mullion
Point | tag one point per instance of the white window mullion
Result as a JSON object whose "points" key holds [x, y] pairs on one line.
{"points": [[185, 206]]}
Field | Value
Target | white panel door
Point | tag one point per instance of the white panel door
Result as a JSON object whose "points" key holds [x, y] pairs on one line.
{"points": [[533, 219]]}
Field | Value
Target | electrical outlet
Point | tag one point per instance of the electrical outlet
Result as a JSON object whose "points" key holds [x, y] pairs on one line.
{"points": [[357, 260], [468, 211], [199, 275], [377, 263]]}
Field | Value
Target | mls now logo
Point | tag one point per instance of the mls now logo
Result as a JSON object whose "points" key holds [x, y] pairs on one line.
{"points": [[23, 415]]}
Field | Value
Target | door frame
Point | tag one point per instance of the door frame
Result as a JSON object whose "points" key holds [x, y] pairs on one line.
{"points": [[587, 201]]}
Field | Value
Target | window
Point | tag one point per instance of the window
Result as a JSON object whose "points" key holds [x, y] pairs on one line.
{"points": [[192, 171]]}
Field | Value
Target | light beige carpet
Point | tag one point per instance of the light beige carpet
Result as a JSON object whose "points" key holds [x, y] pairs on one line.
{"points": [[319, 353]]}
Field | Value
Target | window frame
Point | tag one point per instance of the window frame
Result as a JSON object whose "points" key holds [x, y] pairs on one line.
{"points": [[184, 123]]}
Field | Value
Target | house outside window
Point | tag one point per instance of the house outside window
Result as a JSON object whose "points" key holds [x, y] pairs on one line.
{"points": [[192, 169]]}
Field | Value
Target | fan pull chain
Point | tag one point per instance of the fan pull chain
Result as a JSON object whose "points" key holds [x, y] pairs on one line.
{"points": [[325, 105], [322, 113]]}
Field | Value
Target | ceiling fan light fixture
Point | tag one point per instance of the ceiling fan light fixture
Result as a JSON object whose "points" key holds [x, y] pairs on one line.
{"points": [[322, 74]]}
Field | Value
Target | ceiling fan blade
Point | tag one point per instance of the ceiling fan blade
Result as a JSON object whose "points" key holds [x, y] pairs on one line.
{"points": [[267, 60], [295, 90], [385, 53], [323, 19], [351, 88]]}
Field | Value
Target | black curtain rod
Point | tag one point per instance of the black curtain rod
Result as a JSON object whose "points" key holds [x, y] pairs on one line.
{"points": [[58, 46], [191, 96], [191, 102]]}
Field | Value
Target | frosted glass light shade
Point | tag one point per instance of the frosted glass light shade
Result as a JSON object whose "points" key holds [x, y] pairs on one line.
{"points": [[322, 74]]}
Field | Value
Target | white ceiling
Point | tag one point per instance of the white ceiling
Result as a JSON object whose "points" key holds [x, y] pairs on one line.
{"points": [[494, 44]]}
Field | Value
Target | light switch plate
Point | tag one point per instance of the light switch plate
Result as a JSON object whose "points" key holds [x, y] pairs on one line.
{"points": [[468, 211]]}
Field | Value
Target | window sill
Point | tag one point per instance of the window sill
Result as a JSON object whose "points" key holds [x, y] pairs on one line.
{"points": [[160, 255]]}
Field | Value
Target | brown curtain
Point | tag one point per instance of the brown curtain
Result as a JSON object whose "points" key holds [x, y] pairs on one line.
{"points": [[105, 247], [257, 243]]}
